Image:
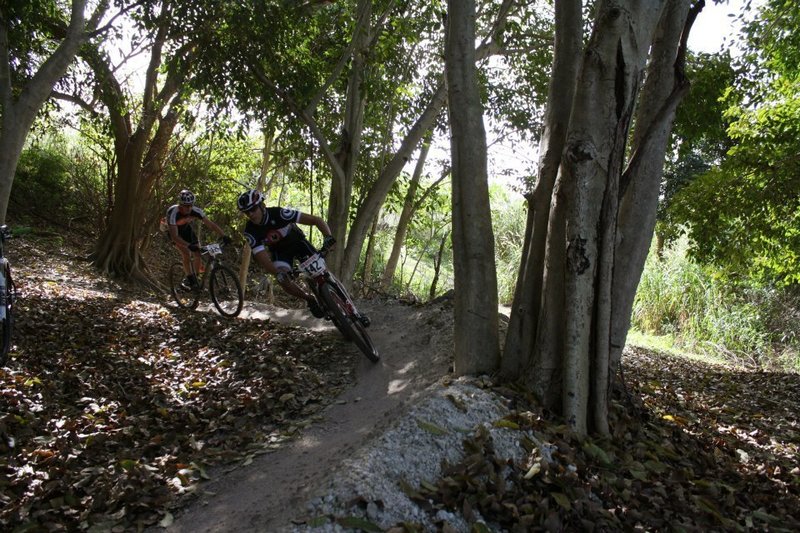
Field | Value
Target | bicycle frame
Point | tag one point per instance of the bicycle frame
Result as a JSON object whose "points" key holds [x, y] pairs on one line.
{"points": [[316, 273], [221, 282], [210, 254], [337, 303], [8, 294]]}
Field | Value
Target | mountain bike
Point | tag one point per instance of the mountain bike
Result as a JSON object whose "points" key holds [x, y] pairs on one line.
{"points": [[222, 283], [8, 294], [336, 302]]}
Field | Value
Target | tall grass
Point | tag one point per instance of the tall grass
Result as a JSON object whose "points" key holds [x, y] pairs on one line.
{"points": [[704, 313]]}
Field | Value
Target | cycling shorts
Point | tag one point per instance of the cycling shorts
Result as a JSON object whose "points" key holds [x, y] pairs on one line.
{"points": [[284, 256]]}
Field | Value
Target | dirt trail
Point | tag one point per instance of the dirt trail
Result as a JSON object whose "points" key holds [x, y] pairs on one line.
{"points": [[415, 344]]}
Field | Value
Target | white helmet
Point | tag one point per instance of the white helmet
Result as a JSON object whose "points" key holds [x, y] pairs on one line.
{"points": [[249, 199], [186, 197]]}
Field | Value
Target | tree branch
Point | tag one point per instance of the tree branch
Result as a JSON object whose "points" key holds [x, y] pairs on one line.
{"points": [[77, 100]]}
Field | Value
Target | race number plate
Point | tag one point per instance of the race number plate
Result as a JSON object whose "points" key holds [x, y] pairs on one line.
{"points": [[313, 266]]}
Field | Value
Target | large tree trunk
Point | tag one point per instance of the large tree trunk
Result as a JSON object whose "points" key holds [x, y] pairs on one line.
{"points": [[140, 157], [20, 109], [524, 317], [570, 365], [665, 86], [476, 345]]}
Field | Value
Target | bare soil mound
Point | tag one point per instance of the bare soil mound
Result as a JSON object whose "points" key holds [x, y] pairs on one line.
{"points": [[415, 343]]}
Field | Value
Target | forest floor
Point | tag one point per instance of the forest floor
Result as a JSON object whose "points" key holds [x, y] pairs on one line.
{"points": [[120, 412]]}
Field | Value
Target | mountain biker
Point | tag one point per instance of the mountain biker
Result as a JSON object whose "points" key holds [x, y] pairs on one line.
{"points": [[179, 221], [276, 241]]}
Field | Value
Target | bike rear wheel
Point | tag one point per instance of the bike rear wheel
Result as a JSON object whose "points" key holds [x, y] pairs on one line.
{"points": [[347, 323], [7, 321], [185, 298], [226, 292]]}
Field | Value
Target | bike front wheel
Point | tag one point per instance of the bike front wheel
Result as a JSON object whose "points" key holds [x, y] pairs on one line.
{"points": [[226, 292], [7, 320], [185, 298], [345, 319]]}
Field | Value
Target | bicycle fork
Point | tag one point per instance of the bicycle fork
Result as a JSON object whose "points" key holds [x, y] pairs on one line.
{"points": [[350, 307]]}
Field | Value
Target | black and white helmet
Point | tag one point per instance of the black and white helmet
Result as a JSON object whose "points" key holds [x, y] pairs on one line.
{"points": [[186, 197], [249, 199]]}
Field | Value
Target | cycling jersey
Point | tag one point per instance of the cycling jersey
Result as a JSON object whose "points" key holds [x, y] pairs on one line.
{"points": [[184, 222], [278, 232], [277, 229]]}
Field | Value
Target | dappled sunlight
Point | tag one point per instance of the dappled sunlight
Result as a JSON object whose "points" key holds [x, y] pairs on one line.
{"points": [[396, 386], [154, 393]]}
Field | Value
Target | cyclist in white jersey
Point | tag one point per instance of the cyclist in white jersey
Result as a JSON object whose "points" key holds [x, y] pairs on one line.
{"points": [[179, 221]]}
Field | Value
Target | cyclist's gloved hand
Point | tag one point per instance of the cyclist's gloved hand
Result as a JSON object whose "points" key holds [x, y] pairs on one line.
{"points": [[193, 247], [226, 240], [328, 242]]}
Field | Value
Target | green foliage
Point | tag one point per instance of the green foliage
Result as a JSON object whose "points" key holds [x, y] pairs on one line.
{"points": [[699, 138], [679, 297], [216, 167], [61, 180], [41, 180], [508, 221], [30, 38], [744, 216], [737, 194]]}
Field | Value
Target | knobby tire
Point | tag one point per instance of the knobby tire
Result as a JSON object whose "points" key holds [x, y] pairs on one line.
{"points": [[185, 299], [226, 292], [8, 321], [349, 325]]}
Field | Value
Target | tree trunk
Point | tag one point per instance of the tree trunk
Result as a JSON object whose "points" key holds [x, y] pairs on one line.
{"points": [[570, 366], [266, 153], [664, 88], [437, 266], [118, 250], [477, 348], [350, 143], [524, 319], [405, 218], [369, 256], [377, 193], [20, 109]]}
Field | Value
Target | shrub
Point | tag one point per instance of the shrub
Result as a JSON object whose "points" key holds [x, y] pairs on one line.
{"points": [[749, 324]]}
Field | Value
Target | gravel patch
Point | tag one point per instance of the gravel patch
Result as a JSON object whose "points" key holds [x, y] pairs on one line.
{"points": [[367, 485]]}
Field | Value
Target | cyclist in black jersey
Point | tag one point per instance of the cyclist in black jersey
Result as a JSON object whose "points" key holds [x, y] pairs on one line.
{"points": [[179, 221], [276, 241]]}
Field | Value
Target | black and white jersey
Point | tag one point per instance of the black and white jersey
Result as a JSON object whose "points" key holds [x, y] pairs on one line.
{"points": [[277, 229], [176, 218]]}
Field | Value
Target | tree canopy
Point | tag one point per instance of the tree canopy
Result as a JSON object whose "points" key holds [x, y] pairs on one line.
{"points": [[743, 213]]}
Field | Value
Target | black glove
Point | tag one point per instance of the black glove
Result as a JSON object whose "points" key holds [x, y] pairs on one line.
{"points": [[193, 247], [328, 242], [226, 240]]}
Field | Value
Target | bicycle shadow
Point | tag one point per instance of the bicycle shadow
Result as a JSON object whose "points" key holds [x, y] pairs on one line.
{"points": [[282, 315]]}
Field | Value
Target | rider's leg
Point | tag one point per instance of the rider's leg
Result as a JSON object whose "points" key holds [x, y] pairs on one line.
{"points": [[198, 265], [290, 287], [187, 269], [190, 259]]}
